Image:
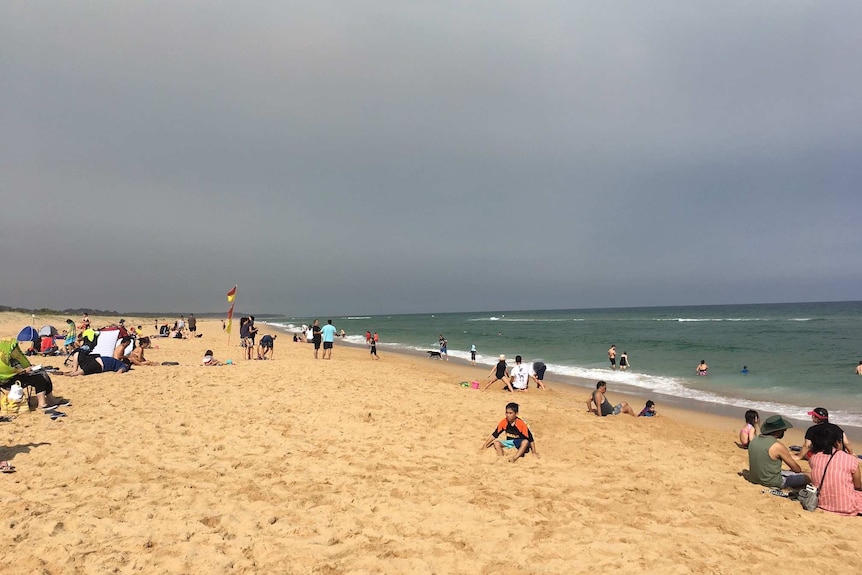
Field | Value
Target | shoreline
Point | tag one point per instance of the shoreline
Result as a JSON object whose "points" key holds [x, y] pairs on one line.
{"points": [[359, 466], [707, 415]]}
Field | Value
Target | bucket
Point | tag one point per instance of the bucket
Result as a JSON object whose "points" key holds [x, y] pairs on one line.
{"points": [[474, 385]]}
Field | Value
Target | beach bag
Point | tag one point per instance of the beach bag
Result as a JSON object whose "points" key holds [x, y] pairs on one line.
{"points": [[12, 401], [809, 496]]}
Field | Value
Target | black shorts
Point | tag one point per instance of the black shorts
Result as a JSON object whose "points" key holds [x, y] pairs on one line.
{"points": [[193, 328], [613, 360], [327, 345], [40, 381], [473, 355], [316, 344], [88, 364]]}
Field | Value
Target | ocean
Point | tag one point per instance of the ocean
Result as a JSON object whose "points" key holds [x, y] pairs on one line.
{"points": [[799, 356]]}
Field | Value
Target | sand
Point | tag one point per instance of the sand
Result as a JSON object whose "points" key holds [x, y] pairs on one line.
{"points": [[298, 465]]}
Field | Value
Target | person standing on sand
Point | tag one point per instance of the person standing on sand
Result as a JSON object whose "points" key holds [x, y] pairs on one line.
{"points": [[315, 336], [766, 453], [518, 435], [612, 356], [193, 323], [499, 373], [473, 354], [373, 345], [444, 347], [328, 332]]}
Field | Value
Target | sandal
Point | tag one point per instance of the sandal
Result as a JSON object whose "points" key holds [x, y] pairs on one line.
{"points": [[6, 467]]}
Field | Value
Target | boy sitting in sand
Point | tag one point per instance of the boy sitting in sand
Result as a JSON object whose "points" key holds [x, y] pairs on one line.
{"points": [[209, 359], [518, 435]]}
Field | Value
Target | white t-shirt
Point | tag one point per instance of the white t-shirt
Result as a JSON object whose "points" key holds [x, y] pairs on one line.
{"points": [[520, 376]]}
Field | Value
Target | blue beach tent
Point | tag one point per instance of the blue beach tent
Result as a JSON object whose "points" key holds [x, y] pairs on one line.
{"points": [[28, 334]]}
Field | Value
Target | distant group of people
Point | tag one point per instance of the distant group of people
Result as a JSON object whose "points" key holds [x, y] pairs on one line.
{"points": [[835, 468], [518, 377], [323, 337], [371, 340], [624, 358]]}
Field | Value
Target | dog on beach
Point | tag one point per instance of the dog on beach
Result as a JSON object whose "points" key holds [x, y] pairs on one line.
{"points": [[434, 355]]}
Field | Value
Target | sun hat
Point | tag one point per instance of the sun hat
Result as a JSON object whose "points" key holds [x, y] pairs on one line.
{"points": [[774, 423], [502, 357], [819, 413]]}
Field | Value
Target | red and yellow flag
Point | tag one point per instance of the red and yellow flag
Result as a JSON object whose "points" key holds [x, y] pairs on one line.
{"points": [[231, 296]]}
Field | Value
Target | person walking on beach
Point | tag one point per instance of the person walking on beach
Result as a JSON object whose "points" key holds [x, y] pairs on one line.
{"points": [[373, 345], [603, 407], [612, 356], [766, 453], [500, 372], [328, 332], [702, 368], [444, 347], [193, 324], [473, 354], [315, 336], [624, 361], [518, 435]]}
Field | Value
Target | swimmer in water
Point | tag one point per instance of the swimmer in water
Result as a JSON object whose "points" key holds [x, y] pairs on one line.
{"points": [[702, 368]]}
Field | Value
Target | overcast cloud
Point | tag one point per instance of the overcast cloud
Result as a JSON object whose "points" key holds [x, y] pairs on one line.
{"points": [[393, 157]]}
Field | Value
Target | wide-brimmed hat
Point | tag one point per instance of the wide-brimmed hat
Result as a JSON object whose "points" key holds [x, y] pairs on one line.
{"points": [[774, 423], [819, 413]]}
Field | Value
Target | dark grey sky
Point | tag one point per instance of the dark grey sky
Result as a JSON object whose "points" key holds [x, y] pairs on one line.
{"points": [[387, 157]]}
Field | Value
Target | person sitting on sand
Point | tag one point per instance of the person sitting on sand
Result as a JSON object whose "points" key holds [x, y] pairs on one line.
{"points": [[209, 359], [499, 372], [749, 432], [649, 408], [702, 368], [518, 435], [85, 364], [136, 357], [766, 453], [603, 407], [834, 471], [519, 377], [14, 366], [820, 416]]}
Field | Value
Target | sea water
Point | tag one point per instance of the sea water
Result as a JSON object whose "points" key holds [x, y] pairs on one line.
{"points": [[798, 356]]}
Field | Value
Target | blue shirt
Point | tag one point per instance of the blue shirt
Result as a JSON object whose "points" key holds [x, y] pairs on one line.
{"points": [[328, 332]]}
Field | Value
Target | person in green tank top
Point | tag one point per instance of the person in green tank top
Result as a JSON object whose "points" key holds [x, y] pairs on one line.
{"points": [[766, 453]]}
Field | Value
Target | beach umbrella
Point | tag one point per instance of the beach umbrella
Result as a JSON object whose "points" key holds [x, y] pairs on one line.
{"points": [[28, 334], [48, 330]]}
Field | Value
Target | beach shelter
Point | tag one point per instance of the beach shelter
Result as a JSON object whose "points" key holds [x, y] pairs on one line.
{"points": [[106, 341], [28, 334], [49, 331]]}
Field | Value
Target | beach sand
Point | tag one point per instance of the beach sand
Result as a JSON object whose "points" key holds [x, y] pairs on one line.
{"points": [[298, 465]]}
